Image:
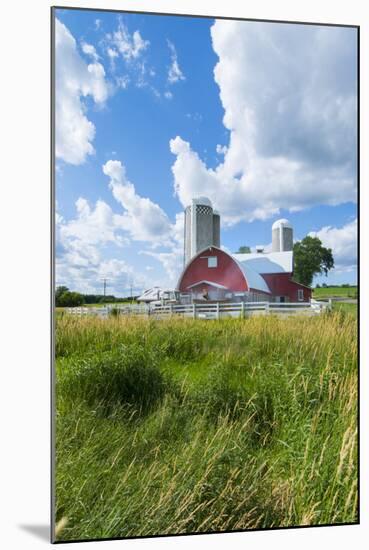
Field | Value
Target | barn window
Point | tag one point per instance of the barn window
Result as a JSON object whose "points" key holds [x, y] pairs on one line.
{"points": [[300, 294], [212, 261]]}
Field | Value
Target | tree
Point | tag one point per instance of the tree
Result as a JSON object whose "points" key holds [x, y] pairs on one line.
{"points": [[243, 250], [310, 258], [65, 298], [60, 290]]}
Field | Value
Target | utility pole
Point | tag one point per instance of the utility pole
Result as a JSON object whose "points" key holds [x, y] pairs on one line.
{"points": [[130, 280], [130, 290], [104, 281]]}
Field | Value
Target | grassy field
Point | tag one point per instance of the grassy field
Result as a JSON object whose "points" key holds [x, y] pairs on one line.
{"points": [[182, 426], [343, 306], [335, 291]]}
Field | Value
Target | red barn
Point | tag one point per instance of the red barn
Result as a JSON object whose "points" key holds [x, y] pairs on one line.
{"points": [[214, 274]]}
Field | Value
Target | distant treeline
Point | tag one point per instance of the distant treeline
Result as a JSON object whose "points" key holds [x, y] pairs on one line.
{"points": [[67, 298]]}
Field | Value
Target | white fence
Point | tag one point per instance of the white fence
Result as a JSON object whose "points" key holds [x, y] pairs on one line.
{"points": [[127, 309], [221, 310], [217, 310]]}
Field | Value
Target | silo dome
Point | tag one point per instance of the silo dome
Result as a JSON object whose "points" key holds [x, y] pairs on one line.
{"points": [[281, 223]]}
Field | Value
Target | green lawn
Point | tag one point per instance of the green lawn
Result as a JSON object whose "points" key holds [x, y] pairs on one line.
{"points": [[182, 426], [335, 291]]}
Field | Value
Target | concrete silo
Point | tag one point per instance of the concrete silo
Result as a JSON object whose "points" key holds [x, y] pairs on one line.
{"points": [[201, 227], [216, 228], [282, 236]]}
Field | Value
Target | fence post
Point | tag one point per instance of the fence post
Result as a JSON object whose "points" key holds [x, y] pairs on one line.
{"points": [[267, 309], [194, 311], [330, 304], [217, 310], [242, 310]]}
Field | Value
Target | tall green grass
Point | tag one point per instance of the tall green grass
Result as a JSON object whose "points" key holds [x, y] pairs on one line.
{"points": [[182, 426]]}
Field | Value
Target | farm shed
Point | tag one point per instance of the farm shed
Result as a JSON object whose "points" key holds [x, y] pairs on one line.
{"points": [[156, 294], [150, 295]]}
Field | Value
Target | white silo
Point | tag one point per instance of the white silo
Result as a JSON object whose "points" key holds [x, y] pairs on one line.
{"points": [[198, 227], [282, 236]]}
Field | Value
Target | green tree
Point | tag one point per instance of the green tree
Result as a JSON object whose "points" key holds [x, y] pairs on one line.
{"points": [[60, 290], [243, 250], [310, 258], [65, 298]]}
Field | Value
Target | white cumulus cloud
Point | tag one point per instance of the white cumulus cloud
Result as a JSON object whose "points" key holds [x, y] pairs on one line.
{"points": [[343, 242], [93, 226], [143, 219], [80, 261], [289, 99], [80, 241], [172, 262], [172, 258], [74, 81]]}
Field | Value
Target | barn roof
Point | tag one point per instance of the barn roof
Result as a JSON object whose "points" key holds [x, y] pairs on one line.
{"points": [[254, 280], [273, 262]]}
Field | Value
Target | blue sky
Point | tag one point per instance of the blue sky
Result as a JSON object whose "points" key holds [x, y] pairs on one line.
{"points": [[154, 110]]}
